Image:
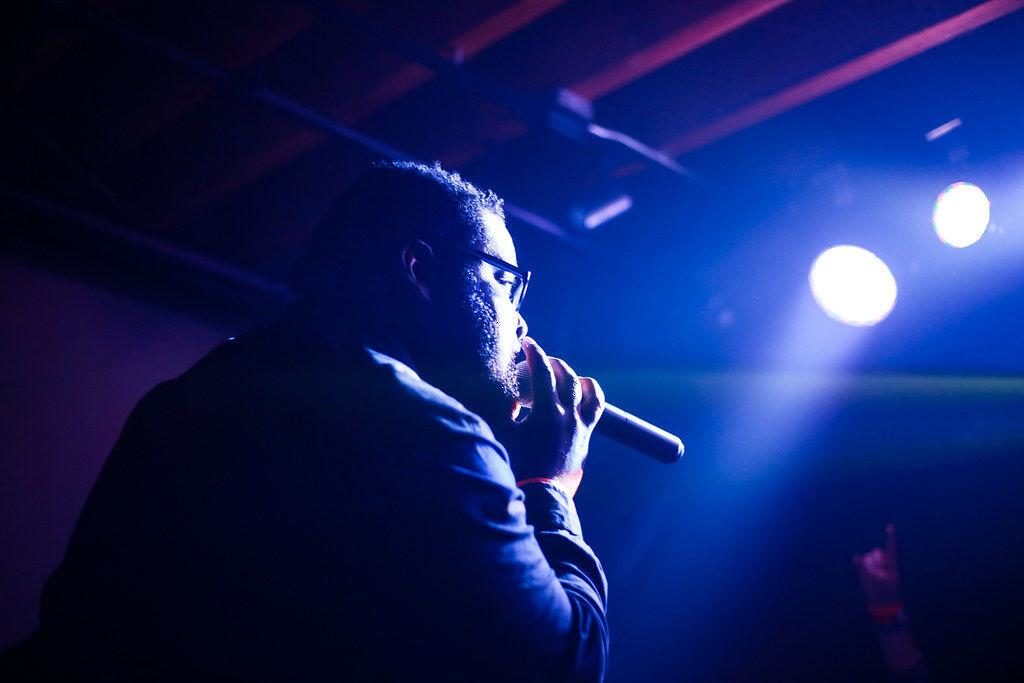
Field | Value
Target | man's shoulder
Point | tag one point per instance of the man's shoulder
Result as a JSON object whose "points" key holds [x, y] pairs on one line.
{"points": [[423, 399], [436, 429], [347, 388], [309, 369]]}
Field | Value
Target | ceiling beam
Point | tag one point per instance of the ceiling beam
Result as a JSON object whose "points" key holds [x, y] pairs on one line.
{"points": [[148, 248], [270, 98], [673, 46], [636, 65], [249, 169], [841, 76], [166, 103]]}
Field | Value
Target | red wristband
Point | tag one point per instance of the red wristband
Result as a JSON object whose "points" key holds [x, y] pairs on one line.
{"points": [[537, 480], [886, 615]]}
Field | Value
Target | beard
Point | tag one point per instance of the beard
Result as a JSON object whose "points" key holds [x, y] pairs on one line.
{"points": [[475, 362], [494, 389]]}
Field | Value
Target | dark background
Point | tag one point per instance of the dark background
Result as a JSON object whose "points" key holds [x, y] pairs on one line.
{"points": [[149, 211]]}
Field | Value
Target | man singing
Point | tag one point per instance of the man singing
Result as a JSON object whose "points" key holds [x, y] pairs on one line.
{"points": [[346, 494]]}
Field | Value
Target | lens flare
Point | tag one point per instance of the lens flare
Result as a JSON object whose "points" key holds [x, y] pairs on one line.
{"points": [[961, 215], [852, 285]]}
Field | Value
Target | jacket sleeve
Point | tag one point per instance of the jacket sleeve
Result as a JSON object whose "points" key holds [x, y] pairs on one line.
{"points": [[522, 552], [557, 529]]}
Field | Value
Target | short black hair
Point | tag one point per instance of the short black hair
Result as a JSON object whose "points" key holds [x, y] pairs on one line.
{"points": [[392, 203]]}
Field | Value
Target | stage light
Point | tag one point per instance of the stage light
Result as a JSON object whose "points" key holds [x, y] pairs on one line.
{"points": [[961, 215], [852, 285], [945, 129], [605, 212]]}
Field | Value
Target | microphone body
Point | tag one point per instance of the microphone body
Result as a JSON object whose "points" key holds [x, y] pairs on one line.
{"points": [[640, 435], [620, 426]]}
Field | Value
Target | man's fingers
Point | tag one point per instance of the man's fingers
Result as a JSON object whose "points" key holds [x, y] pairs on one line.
{"points": [[555, 382], [541, 375], [567, 384], [592, 404], [869, 562], [890, 541]]}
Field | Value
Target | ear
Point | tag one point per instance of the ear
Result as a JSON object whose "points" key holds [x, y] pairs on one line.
{"points": [[418, 266]]}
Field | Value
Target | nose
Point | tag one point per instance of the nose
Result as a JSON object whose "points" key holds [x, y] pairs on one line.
{"points": [[521, 327]]}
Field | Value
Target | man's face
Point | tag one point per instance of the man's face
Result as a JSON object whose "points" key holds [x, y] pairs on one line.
{"points": [[486, 331]]}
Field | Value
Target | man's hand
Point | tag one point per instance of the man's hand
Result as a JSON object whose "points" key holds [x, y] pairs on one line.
{"points": [[552, 442], [879, 572]]}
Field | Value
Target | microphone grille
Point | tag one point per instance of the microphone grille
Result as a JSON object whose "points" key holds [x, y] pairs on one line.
{"points": [[525, 384]]}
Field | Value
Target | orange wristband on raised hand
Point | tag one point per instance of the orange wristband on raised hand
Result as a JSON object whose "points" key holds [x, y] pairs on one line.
{"points": [[886, 615]]}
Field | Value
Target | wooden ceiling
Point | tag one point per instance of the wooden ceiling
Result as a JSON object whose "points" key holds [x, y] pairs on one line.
{"points": [[104, 121]]}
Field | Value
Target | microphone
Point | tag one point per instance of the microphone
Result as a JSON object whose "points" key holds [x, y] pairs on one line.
{"points": [[618, 425]]}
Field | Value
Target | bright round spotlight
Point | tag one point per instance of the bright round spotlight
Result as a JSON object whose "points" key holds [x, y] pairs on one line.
{"points": [[853, 285], [961, 215]]}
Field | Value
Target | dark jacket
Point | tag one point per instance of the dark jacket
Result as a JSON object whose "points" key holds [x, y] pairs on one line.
{"points": [[300, 508]]}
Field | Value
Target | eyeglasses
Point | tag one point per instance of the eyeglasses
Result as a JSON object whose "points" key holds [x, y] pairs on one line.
{"points": [[522, 277]]}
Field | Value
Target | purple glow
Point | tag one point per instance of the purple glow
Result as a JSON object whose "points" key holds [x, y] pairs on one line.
{"points": [[606, 212]]}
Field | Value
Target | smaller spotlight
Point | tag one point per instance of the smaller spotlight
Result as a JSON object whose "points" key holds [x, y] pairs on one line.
{"points": [[945, 129], [852, 285], [961, 215], [602, 212]]}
